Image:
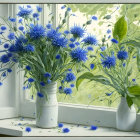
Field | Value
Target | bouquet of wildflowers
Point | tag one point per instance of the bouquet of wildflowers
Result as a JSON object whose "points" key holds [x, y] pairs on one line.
{"points": [[46, 54], [115, 60]]}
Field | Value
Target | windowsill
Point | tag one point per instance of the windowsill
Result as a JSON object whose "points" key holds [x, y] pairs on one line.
{"points": [[11, 127]]}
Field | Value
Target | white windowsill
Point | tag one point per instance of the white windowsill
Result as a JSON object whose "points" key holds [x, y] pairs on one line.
{"points": [[11, 127]]}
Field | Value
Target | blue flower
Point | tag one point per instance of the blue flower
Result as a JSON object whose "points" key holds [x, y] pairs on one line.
{"points": [[28, 6], [90, 48], [109, 61], [39, 9], [94, 18], [9, 70], [49, 81], [70, 77], [72, 39], [29, 48], [109, 94], [52, 34], [4, 74], [72, 85], [92, 127], [60, 88], [66, 32], [1, 83], [49, 26], [59, 42], [42, 83], [35, 15], [90, 40], [67, 90], [24, 12], [63, 7], [68, 9], [77, 31], [11, 36], [134, 56], [21, 28], [69, 69], [58, 56], [47, 75], [62, 81], [3, 28], [4, 58], [124, 64], [65, 130], [6, 45], [40, 95], [60, 125], [28, 67], [114, 41], [12, 19], [92, 66], [28, 129], [108, 31], [20, 20], [109, 36], [133, 80], [79, 54], [77, 43], [31, 80], [122, 55], [37, 31], [103, 48], [71, 45]]}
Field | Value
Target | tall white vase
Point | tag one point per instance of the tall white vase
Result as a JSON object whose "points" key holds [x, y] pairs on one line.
{"points": [[125, 116], [47, 109]]}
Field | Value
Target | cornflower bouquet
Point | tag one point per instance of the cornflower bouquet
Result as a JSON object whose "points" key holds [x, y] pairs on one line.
{"points": [[46, 54], [115, 60]]}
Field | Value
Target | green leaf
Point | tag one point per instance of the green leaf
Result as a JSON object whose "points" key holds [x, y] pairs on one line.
{"points": [[136, 101], [120, 29], [129, 101], [87, 75], [134, 90], [138, 59]]}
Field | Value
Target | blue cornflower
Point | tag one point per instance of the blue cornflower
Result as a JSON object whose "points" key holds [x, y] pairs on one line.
{"points": [[9, 54], [28, 129], [134, 56], [79, 54], [42, 83], [77, 31], [65, 130], [62, 81], [109, 61], [68, 90], [4, 58], [40, 95], [114, 41], [72, 85], [12, 19], [31, 80], [37, 31], [28, 67], [48, 75], [94, 18], [60, 88], [49, 81], [92, 66], [14, 60], [49, 26], [63, 7], [77, 43], [109, 94], [92, 127], [11, 36], [71, 45], [90, 48], [9, 70], [70, 77], [39, 9], [124, 64], [69, 69], [66, 32], [6, 45], [52, 34], [60, 125], [59, 42], [28, 6], [4, 74], [1, 83], [122, 55], [72, 39], [35, 15], [3, 28], [68, 9], [21, 28], [103, 48], [20, 20], [90, 40], [133, 80], [24, 12], [109, 36], [108, 31], [58, 56], [29, 48]]}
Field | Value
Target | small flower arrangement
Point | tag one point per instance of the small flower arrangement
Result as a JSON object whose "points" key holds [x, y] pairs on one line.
{"points": [[46, 54]]}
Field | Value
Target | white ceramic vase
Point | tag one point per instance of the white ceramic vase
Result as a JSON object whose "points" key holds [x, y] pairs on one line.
{"points": [[47, 109], [125, 116]]}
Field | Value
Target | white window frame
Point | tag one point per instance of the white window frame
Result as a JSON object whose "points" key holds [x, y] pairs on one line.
{"points": [[72, 113]]}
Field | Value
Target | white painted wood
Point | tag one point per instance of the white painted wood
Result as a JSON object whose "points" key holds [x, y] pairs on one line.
{"points": [[12, 127]]}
